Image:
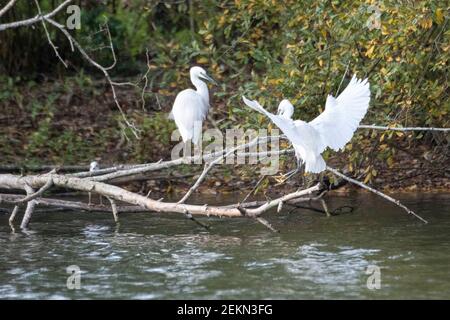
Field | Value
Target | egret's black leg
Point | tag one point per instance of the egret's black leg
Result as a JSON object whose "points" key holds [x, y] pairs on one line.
{"points": [[293, 172]]}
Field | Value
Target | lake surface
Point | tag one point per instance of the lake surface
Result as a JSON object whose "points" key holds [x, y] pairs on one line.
{"points": [[160, 256]]}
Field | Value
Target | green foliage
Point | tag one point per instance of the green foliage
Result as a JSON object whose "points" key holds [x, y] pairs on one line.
{"points": [[267, 50], [156, 133]]}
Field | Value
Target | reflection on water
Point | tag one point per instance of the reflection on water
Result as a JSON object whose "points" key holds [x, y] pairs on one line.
{"points": [[165, 256]]}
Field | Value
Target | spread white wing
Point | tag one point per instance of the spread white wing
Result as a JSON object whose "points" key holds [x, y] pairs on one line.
{"points": [[342, 115]]}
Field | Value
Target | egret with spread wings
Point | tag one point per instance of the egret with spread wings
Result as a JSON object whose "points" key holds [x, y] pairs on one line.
{"points": [[333, 128]]}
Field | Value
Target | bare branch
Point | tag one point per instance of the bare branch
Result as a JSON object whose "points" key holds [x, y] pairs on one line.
{"points": [[114, 210], [33, 20], [266, 223], [9, 181], [103, 69], [13, 214], [48, 35], [7, 7], [365, 126], [379, 193], [30, 208], [208, 167]]}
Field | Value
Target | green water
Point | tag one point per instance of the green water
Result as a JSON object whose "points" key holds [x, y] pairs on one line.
{"points": [[162, 256]]}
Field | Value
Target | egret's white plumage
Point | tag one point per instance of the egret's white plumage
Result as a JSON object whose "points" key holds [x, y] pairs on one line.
{"points": [[191, 106], [94, 166], [332, 128]]}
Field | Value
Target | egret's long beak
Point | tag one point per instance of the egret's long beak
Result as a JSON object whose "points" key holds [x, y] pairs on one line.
{"points": [[208, 78]]}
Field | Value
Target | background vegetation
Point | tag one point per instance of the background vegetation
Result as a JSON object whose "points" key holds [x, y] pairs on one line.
{"points": [[265, 49]]}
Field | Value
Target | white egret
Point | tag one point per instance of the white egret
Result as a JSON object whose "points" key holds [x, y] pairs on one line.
{"points": [[332, 128], [191, 106], [94, 166]]}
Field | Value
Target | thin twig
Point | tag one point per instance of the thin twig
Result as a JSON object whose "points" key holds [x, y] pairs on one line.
{"points": [[35, 19], [103, 69], [266, 223], [190, 217], [209, 166], [48, 35], [14, 213], [253, 189], [343, 77]]}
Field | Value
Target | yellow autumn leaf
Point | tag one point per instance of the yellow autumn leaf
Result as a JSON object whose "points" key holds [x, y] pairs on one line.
{"points": [[426, 23], [275, 81], [439, 16], [390, 162], [221, 21], [202, 60], [164, 92], [369, 52]]}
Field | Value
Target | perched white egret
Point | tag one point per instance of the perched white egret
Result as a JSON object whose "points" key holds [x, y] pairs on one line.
{"points": [[94, 166], [332, 128], [191, 106]]}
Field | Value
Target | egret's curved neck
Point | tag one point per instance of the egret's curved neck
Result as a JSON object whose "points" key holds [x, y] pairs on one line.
{"points": [[202, 89], [287, 114]]}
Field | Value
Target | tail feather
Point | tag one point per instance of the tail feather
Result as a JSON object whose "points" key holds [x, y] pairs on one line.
{"points": [[315, 164]]}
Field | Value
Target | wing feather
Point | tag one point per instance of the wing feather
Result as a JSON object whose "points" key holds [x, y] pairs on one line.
{"points": [[342, 115]]}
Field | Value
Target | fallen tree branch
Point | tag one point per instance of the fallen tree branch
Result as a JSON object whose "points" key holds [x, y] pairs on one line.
{"points": [[70, 205], [32, 196], [379, 193], [30, 208], [114, 210], [17, 183], [160, 165]]}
